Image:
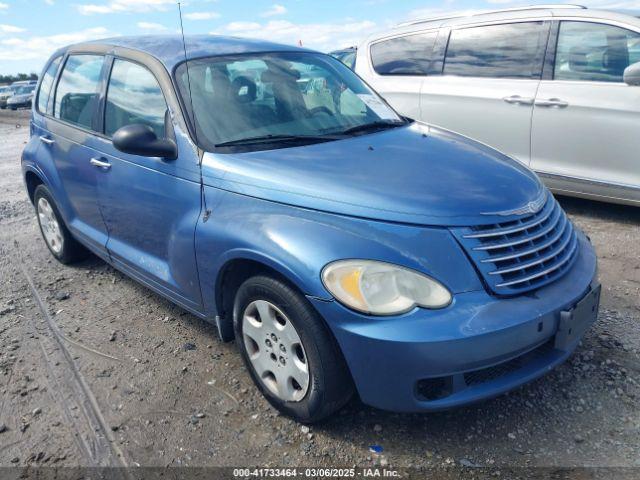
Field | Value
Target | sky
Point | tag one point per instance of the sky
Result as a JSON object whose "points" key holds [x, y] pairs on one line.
{"points": [[30, 30]]}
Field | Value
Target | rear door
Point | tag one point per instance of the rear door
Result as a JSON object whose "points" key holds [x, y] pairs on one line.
{"points": [[66, 139], [488, 84], [150, 205], [585, 120]]}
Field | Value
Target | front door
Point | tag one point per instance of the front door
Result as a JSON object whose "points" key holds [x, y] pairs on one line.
{"points": [[585, 120], [489, 82], [150, 205]]}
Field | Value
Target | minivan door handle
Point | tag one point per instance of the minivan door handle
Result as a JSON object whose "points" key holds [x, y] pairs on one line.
{"points": [[518, 100], [100, 164], [46, 140], [552, 103]]}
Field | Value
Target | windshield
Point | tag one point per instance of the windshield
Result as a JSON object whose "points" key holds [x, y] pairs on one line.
{"points": [[24, 90], [278, 96]]}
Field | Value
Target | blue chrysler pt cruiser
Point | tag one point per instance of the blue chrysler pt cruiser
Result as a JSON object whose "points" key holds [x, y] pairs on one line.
{"points": [[268, 190]]}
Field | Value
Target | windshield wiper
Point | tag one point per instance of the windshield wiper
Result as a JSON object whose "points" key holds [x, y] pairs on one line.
{"points": [[277, 138], [373, 126]]}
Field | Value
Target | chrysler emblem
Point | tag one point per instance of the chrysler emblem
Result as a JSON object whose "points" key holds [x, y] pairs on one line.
{"points": [[530, 208]]}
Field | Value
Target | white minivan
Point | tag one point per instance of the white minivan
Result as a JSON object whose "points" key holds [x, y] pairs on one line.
{"points": [[556, 87]]}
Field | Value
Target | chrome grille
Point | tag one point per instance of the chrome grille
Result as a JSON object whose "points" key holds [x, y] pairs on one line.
{"points": [[523, 254]]}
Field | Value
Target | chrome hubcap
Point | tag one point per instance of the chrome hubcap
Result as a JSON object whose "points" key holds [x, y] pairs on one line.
{"points": [[275, 351], [50, 226]]}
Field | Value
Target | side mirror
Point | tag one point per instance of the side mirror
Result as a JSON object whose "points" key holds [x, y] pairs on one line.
{"points": [[631, 75], [141, 140]]}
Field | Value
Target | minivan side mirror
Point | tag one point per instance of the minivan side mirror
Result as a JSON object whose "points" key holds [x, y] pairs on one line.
{"points": [[139, 139], [631, 75]]}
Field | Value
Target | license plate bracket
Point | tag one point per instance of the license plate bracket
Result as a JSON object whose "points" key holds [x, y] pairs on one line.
{"points": [[575, 321]]}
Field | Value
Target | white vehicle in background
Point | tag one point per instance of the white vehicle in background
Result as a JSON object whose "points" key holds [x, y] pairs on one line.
{"points": [[557, 87], [22, 97], [6, 92]]}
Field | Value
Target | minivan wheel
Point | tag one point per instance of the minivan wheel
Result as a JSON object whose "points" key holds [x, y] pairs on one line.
{"points": [[291, 355], [55, 233]]}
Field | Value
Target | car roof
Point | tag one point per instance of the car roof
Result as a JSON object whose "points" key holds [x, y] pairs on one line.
{"points": [[170, 50], [534, 11]]}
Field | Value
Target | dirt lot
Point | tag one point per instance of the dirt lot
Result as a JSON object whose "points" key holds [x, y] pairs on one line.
{"points": [[97, 370]]}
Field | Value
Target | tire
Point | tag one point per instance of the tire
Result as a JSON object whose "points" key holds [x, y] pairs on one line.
{"points": [[55, 233], [329, 385]]}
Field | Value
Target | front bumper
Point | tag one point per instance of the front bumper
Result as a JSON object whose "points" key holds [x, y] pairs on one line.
{"points": [[478, 347], [25, 104]]}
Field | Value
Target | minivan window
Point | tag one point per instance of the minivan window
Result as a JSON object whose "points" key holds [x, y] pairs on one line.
{"points": [[76, 97], [408, 55], [594, 52], [133, 97], [274, 100], [513, 50], [46, 84]]}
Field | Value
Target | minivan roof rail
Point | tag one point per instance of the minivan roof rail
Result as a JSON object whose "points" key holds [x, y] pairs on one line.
{"points": [[488, 12]]}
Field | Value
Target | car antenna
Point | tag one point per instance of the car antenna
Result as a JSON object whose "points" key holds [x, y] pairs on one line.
{"points": [[186, 63], [207, 212]]}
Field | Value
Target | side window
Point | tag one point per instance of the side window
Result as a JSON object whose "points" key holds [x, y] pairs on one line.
{"points": [[513, 50], [133, 96], [46, 84], [410, 55], [76, 97], [594, 52]]}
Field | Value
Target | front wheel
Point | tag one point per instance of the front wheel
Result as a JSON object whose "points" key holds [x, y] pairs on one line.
{"points": [[291, 355]]}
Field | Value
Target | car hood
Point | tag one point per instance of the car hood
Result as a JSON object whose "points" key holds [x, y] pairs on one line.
{"points": [[416, 174], [20, 98]]}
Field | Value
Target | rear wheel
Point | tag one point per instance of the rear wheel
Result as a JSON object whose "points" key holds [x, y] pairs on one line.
{"points": [[291, 355], [55, 233]]}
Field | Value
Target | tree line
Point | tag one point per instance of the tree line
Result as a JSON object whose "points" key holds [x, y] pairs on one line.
{"points": [[17, 77]]}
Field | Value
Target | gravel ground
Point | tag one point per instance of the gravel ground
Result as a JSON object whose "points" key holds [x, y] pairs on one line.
{"points": [[97, 370]]}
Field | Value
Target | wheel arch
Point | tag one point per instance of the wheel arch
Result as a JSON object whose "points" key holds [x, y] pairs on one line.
{"points": [[234, 270], [32, 179]]}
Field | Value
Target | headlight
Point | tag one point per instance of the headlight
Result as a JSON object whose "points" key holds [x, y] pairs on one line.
{"points": [[380, 288]]}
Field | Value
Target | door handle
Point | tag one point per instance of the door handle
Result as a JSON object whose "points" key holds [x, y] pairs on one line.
{"points": [[100, 164], [518, 100], [552, 103], [46, 140]]}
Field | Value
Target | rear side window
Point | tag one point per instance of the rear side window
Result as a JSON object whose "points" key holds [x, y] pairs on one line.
{"points": [[512, 50], [410, 55], [76, 97], [46, 84], [594, 52], [134, 97]]}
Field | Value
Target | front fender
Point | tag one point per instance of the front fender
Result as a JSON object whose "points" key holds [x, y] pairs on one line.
{"points": [[298, 243]]}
